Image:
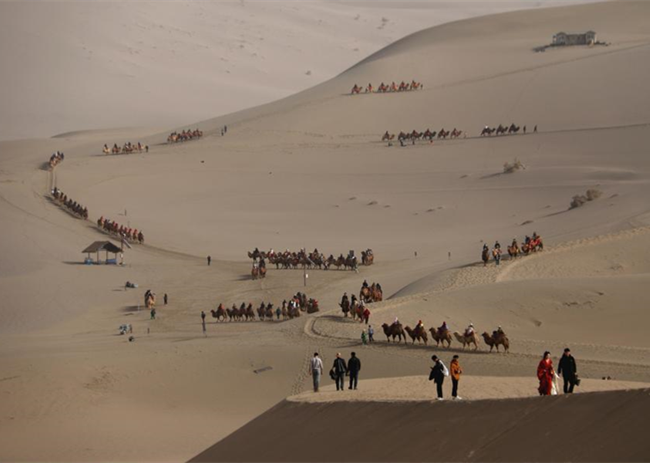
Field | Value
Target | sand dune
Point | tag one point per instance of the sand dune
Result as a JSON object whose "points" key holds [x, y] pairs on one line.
{"points": [[425, 431], [309, 171], [169, 63]]}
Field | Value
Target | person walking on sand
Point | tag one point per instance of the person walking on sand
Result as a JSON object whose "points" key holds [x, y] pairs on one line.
{"points": [[567, 368], [545, 374], [354, 366], [455, 371], [209, 260], [371, 333], [203, 320], [165, 299], [316, 370], [153, 314], [438, 373], [340, 369], [364, 338]]}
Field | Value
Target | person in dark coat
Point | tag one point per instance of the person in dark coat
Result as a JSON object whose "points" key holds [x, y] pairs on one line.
{"points": [[567, 368], [437, 374], [354, 365], [340, 369]]}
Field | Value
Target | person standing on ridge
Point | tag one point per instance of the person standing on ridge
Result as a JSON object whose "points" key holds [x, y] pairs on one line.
{"points": [[568, 369], [354, 366]]}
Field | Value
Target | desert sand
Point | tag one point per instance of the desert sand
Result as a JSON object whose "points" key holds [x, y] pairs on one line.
{"points": [[310, 171]]}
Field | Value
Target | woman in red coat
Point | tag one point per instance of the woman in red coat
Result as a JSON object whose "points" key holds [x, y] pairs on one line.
{"points": [[545, 374]]}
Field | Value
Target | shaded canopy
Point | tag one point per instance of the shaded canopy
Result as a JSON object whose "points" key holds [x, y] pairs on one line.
{"points": [[102, 246]]}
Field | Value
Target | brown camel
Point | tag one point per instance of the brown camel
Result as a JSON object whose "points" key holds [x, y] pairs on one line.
{"points": [[467, 340], [418, 333], [220, 314], [441, 337], [500, 339], [394, 331]]}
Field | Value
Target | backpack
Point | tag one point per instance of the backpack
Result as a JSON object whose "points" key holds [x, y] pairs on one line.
{"points": [[445, 371]]}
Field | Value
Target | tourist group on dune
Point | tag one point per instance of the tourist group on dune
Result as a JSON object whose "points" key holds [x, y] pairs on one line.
{"points": [[546, 374]]}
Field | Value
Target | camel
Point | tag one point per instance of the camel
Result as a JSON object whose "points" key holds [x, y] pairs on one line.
{"points": [[394, 331], [467, 340], [388, 136], [419, 334], [485, 256], [367, 257], [501, 339], [513, 128], [513, 250], [441, 337], [443, 133], [502, 129], [355, 90], [455, 133], [488, 131], [220, 314], [150, 301], [345, 306], [312, 306]]}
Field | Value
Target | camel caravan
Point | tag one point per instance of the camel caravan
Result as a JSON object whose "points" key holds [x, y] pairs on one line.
{"points": [[185, 135], [298, 304], [56, 158], [443, 336], [133, 235], [312, 260], [127, 148], [504, 130], [386, 88], [354, 307], [71, 206], [427, 134], [531, 245]]}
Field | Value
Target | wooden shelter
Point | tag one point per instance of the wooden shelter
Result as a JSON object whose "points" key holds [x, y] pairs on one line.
{"points": [[99, 246]]}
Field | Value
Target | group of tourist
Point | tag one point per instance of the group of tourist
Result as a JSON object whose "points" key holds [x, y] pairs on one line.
{"points": [[504, 129], [439, 371], [356, 307], [531, 244], [127, 148], [69, 204], [130, 234], [339, 370], [387, 88], [56, 158], [184, 135]]}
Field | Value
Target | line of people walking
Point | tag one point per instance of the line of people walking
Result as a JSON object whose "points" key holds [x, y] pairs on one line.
{"points": [[340, 369]]}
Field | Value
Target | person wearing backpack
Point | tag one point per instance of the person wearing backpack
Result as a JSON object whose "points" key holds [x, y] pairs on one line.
{"points": [[438, 373]]}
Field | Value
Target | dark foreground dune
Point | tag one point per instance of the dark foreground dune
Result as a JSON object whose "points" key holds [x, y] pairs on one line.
{"points": [[604, 426]]}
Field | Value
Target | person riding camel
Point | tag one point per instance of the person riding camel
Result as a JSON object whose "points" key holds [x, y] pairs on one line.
{"points": [[378, 287], [497, 332], [497, 245], [395, 322], [419, 327], [344, 299], [469, 330], [365, 284], [486, 247], [443, 328], [514, 243]]}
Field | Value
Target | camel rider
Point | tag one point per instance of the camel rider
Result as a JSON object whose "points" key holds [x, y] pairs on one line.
{"points": [[344, 299], [365, 284], [527, 240], [469, 330], [485, 247], [419, 327], [396, 321], [497, 332], [354, 299], [535, 236], [514, 243], [497, 245], [443, 328], [378, 286]]}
